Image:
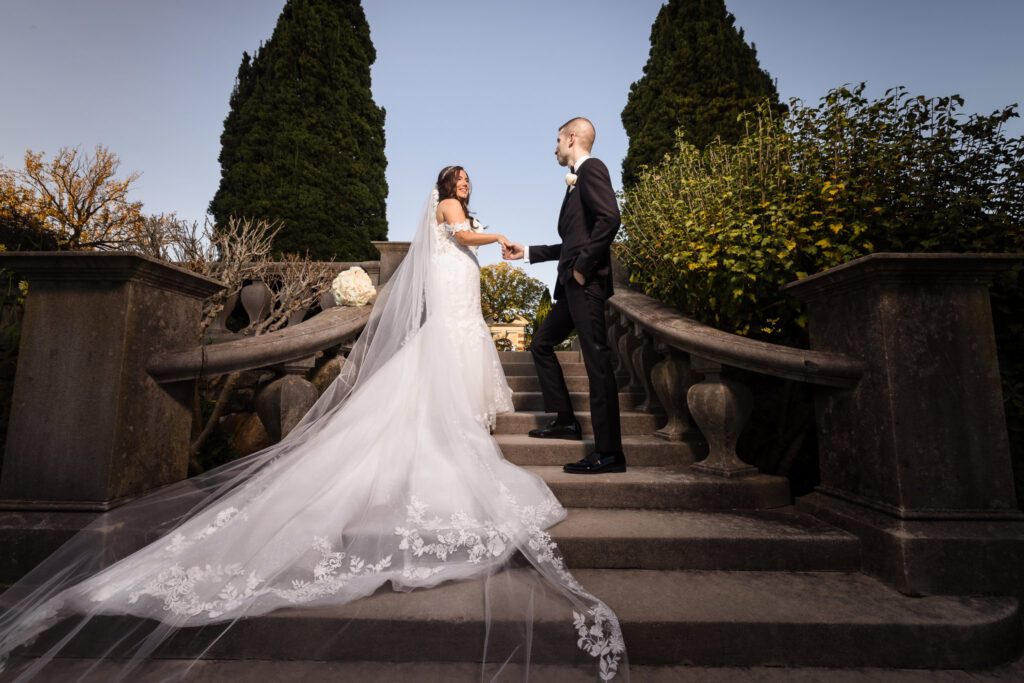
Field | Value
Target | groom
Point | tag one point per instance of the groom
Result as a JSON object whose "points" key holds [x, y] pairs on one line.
{"points": [[587, 225]]}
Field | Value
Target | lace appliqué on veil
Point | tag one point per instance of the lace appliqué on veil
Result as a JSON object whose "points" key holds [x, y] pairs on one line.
{"points": [[180, 588], [230, 587]]}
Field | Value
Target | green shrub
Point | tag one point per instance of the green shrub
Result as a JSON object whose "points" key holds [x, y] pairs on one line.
{"points": [[716, 233]]}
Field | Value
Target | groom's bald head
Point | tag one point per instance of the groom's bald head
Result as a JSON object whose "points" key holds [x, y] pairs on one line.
{"points": [[583, 129]]}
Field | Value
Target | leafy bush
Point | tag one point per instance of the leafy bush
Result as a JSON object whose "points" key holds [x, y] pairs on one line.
{"points": [[716, 233]]}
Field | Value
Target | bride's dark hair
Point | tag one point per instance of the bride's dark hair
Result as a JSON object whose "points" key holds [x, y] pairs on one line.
{"points": [[446, 181]]}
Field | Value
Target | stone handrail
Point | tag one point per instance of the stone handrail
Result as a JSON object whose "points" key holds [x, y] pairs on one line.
{"points": [[669, 326], [689, 383], [293, 343]]}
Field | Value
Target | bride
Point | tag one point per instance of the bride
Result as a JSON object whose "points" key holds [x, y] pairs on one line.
{"points": [[392, 477]]}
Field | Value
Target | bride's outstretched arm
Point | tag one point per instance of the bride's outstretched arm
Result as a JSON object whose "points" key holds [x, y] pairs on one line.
{"points": [[450, 211], [475, 239]]}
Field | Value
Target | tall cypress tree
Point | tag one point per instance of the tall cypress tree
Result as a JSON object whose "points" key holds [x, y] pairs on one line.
{"points": [[303, 142], [700, 75]]}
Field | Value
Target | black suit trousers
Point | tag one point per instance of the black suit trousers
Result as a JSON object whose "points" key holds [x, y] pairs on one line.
{"points": [[582, 307]]}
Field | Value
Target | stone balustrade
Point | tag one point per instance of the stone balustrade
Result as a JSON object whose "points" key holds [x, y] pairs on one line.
{"points": [[103, 394], [691, 381], [913, 447]]}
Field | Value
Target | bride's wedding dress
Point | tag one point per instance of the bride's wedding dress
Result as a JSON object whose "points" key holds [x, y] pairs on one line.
{"points": [[392, 477]]}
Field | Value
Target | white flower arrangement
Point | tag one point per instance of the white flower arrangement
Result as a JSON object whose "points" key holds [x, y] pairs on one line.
{"points": [[570, 179], [352, 287]]}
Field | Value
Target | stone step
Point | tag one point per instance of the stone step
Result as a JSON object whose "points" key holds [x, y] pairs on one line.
{"points": [[521, 422], [748, 540], [665, 488], [640, 450], [534, 400], [575, 383], [703, 618], [527, 357], [230, 671], [528, 369]]}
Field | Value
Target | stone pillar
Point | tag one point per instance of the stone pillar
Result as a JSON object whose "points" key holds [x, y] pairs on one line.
{"points": [[391, 254], [88, 427], [916, 458]]}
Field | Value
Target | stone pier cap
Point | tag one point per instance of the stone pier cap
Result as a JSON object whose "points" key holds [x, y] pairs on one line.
{"points": [[78, 266], [903, 267]]}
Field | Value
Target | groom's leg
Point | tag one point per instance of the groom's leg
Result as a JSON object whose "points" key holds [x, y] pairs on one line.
{"points": [[555, 328], [586, 304]]}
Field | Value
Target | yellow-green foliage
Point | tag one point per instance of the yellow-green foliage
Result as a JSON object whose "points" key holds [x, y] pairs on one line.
{"points": [[717, 232]]}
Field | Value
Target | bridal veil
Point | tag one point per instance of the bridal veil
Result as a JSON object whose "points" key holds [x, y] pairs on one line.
{"points": [[389, 479]]}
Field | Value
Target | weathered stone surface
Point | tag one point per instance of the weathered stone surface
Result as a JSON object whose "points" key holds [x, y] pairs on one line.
{"points": [[665, 488], [391, 255], [88, 425], [672, 379], [915, 459], [640, 450], [667, 617], [250, 435], [327, 373], [670, 326], [744, 540], [930, 557], [720, 407], [283, 402], [923, 433], [28, 538], [293, 343]]}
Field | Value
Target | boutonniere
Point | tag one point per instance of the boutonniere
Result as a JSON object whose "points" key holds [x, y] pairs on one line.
{"points": [[570, 179]]}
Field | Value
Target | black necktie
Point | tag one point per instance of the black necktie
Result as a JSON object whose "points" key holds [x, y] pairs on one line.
{"points": [[572, 169]]}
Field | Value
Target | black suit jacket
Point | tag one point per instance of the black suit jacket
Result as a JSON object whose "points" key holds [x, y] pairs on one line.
{"points": [[587, 225]]}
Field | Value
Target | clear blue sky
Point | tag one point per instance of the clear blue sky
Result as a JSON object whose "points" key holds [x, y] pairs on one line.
{"points": [[482, 83]]}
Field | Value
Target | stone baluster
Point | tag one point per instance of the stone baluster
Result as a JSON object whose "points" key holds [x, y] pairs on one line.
{"points": [[672, 379], [327, 300], [627, 344], [297, 316], [256, 300], [218, 330], [614, 332], [720, 408], [644, 359]]}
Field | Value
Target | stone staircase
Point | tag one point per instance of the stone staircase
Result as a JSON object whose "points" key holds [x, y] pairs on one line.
{"points": [[711, 571], [702, 571]]}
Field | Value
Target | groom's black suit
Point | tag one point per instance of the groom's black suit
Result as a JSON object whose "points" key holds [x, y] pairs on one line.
{"points": [[587, 225]]}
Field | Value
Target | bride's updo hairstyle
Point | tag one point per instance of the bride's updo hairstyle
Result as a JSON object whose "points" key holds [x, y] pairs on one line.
{"points": [[446, 181]]}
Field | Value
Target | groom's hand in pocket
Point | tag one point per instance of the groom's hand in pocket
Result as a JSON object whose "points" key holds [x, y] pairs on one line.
{"points": [[578, 276]]}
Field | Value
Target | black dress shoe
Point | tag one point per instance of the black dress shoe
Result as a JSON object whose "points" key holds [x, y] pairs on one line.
{"points": [[558, 431], [597, 463]]}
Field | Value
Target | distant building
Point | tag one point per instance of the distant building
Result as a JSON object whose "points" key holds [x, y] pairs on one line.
{"points": [[511, 335]]}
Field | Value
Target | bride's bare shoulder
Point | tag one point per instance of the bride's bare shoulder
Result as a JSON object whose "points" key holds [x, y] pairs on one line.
{"points": [[450, 211]]}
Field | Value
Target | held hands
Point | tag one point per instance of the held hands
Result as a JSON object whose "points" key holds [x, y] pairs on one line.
{"points": [[511, 251]]}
